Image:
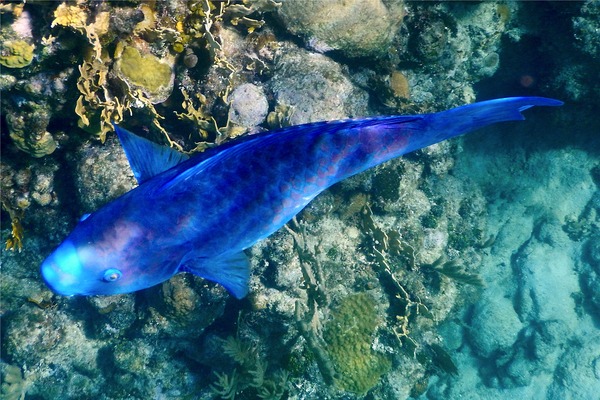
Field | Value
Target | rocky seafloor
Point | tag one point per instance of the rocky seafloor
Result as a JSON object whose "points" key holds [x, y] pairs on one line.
{"points": [[469, 269]]}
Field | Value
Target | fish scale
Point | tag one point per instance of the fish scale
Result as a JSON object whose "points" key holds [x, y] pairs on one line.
{"points": [[198, 215]]}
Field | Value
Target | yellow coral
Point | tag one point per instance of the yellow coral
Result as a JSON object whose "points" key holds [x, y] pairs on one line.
{"points": [[70, 16], [146, 72], [16, 54], [348, 336]]}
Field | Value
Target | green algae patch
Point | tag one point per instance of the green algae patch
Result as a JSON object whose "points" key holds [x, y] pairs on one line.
{"points": [[349, 335], [16, 54], [147, 72]]}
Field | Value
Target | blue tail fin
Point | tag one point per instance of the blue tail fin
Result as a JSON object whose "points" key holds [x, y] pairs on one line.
{"points": [[492, 111], [457, 121]]}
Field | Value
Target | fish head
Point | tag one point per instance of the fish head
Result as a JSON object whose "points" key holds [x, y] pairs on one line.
{"points": [[100, 258], [67, 274]]}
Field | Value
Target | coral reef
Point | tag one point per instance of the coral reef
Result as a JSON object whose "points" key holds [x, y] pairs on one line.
{"points": [[469, 268], [519, 326]]}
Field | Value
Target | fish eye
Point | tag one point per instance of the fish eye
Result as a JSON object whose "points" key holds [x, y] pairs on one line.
{"points": [[111, 275]]}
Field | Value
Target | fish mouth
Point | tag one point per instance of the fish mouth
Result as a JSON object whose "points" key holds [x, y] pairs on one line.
{"points": [[51, 277], [61, 271]]}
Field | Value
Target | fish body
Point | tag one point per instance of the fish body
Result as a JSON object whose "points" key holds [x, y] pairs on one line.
{"points": [[199, 214]]}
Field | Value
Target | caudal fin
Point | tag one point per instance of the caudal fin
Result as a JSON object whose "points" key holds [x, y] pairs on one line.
{"points": [[467, 118]]}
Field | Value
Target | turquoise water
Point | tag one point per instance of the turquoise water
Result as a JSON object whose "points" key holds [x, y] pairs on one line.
{"points": [[533, 333]]}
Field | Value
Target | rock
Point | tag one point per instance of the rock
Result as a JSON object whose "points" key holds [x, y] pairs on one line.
{"points": [[593, 250], [495, 325], [102, 174], [315, 88], [115, 314], [183, 307], [357, 28], [586, 27], [249, 106], [543, 268], [578, 373], [591, 287], [548, 339]]}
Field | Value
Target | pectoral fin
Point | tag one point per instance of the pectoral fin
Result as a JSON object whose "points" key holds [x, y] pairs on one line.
{"points": [[232, 271]]}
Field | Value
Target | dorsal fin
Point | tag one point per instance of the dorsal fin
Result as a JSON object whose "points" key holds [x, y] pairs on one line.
{"points": [[147, 158]]}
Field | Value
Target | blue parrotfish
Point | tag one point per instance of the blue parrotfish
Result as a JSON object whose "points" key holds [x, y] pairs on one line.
{"points": [[198, 214]]}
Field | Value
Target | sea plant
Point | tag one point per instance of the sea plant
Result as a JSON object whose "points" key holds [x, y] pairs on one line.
{"points": [[250, 378]]}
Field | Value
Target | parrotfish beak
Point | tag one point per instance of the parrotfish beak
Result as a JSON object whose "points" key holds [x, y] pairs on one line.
{"points": [[62, 270]]}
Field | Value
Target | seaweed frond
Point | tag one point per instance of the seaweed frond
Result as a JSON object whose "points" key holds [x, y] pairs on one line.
{"points": [[15, 241], [14, 386], [226, 386], [258, 373], [455, 271], [274, 389], [243, 353]]}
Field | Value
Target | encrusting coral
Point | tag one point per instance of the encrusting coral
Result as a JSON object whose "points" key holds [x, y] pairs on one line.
{"points": [[147, 72], [349, 337], [16, 54]]}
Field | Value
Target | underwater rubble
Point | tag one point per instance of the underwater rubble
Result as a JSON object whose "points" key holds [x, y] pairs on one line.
{"points": [[466, 269]]}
